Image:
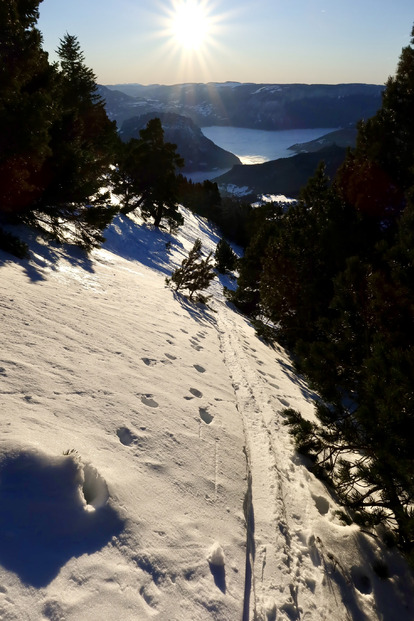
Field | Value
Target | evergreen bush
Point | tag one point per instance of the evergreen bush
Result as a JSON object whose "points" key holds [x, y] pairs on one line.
{"points": [[195, 273]]}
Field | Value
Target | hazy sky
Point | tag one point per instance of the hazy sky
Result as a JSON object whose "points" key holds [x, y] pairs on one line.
{"points": [[273, 41]]}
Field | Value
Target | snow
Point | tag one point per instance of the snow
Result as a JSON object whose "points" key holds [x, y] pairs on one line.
{"points": [[274, 198], [236, 190], [145, 470]]}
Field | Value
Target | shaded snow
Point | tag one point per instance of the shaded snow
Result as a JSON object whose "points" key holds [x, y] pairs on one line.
{"points": [[145, 470]]}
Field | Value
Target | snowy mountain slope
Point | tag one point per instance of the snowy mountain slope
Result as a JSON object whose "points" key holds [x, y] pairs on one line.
{"points": [[145, 471]]}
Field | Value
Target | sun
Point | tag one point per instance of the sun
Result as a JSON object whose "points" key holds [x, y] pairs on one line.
{"points": [[190, 24]]}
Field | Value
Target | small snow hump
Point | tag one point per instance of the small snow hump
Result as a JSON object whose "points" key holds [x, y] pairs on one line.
{"points": [[216, 561], [216, 555]]}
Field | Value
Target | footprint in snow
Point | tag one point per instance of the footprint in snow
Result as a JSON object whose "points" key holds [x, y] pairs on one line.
{"points": [[170, 357], [199, 368], [126, 437], [196, 393], [361, 580], [149, 362], [195, 345], [205, 415], [149, 401], [53, 611], [321, 504]]}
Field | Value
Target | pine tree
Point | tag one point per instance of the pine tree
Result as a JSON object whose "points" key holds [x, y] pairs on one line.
{"points": [[83, 142], [146, 176], [26, 106], [195, 273], [226, 258], [310, 245], [378, 173]]}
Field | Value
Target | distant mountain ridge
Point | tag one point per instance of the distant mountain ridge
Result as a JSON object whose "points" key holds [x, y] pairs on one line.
{"points": [[255, 106]]}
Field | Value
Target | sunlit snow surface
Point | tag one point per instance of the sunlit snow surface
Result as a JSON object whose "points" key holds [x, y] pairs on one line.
{"points": [[140, 433]]}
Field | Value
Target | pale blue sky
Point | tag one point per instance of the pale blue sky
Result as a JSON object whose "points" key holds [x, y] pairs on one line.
{"points": [[271, 41]]}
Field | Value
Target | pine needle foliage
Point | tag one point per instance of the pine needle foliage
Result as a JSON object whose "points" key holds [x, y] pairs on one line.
{"points": [[195, 273], [226, 258]]}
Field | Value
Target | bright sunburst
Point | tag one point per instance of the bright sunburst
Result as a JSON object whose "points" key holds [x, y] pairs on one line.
{"points": [[192, 34], [190, 24]]}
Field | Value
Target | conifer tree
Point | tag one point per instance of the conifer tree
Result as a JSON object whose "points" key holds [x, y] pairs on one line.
{"points": [[226, 258], [378, 173], [146, 176], [26, 106], [367, 372], [83, 142], [195, 273]]}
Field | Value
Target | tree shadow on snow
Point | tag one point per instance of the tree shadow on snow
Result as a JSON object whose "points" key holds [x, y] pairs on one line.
{"points": [[197, 310], [381, 573], [140, 242], [51, 509], [45, 254]]}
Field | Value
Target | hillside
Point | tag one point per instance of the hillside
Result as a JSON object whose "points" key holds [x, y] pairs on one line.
{"points": [[199, 152], [343, 138], [145, 470], [286, 176]]}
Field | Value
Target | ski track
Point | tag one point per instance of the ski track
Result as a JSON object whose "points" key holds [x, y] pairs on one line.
{"points": [[283, 574]]}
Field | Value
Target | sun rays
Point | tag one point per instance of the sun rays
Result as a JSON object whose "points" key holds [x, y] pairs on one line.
{"points": [[191, 32]]}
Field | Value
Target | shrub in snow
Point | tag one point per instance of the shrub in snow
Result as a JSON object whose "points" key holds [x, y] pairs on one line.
{"points": [[195, 273]]}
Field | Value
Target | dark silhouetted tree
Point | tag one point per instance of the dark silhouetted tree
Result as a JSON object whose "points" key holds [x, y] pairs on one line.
{"points": [[146, 176], [27, 106], [83, 142], [225, 257]]}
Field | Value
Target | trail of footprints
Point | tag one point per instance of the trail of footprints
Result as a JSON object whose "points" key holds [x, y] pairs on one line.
{"points": [[125, 435]]}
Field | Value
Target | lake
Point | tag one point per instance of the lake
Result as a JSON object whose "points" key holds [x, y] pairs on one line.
{"points": [[255, 146]]}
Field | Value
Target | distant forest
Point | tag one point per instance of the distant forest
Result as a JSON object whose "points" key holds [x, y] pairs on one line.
{"points": [[331, 277]]}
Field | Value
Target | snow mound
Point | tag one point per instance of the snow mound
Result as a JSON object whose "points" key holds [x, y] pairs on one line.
{"points": [[216, 555], [45, 515]]}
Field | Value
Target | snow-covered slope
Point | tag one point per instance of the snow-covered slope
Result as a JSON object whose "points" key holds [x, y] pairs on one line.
{"points": [[145, 471]]}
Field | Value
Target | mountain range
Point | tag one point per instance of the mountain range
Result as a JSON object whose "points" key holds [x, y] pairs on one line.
{"points": [[255, 106], [185, 108]]}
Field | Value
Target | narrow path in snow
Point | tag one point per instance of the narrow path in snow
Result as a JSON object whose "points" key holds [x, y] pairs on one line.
{"points": [[281, 567]]}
